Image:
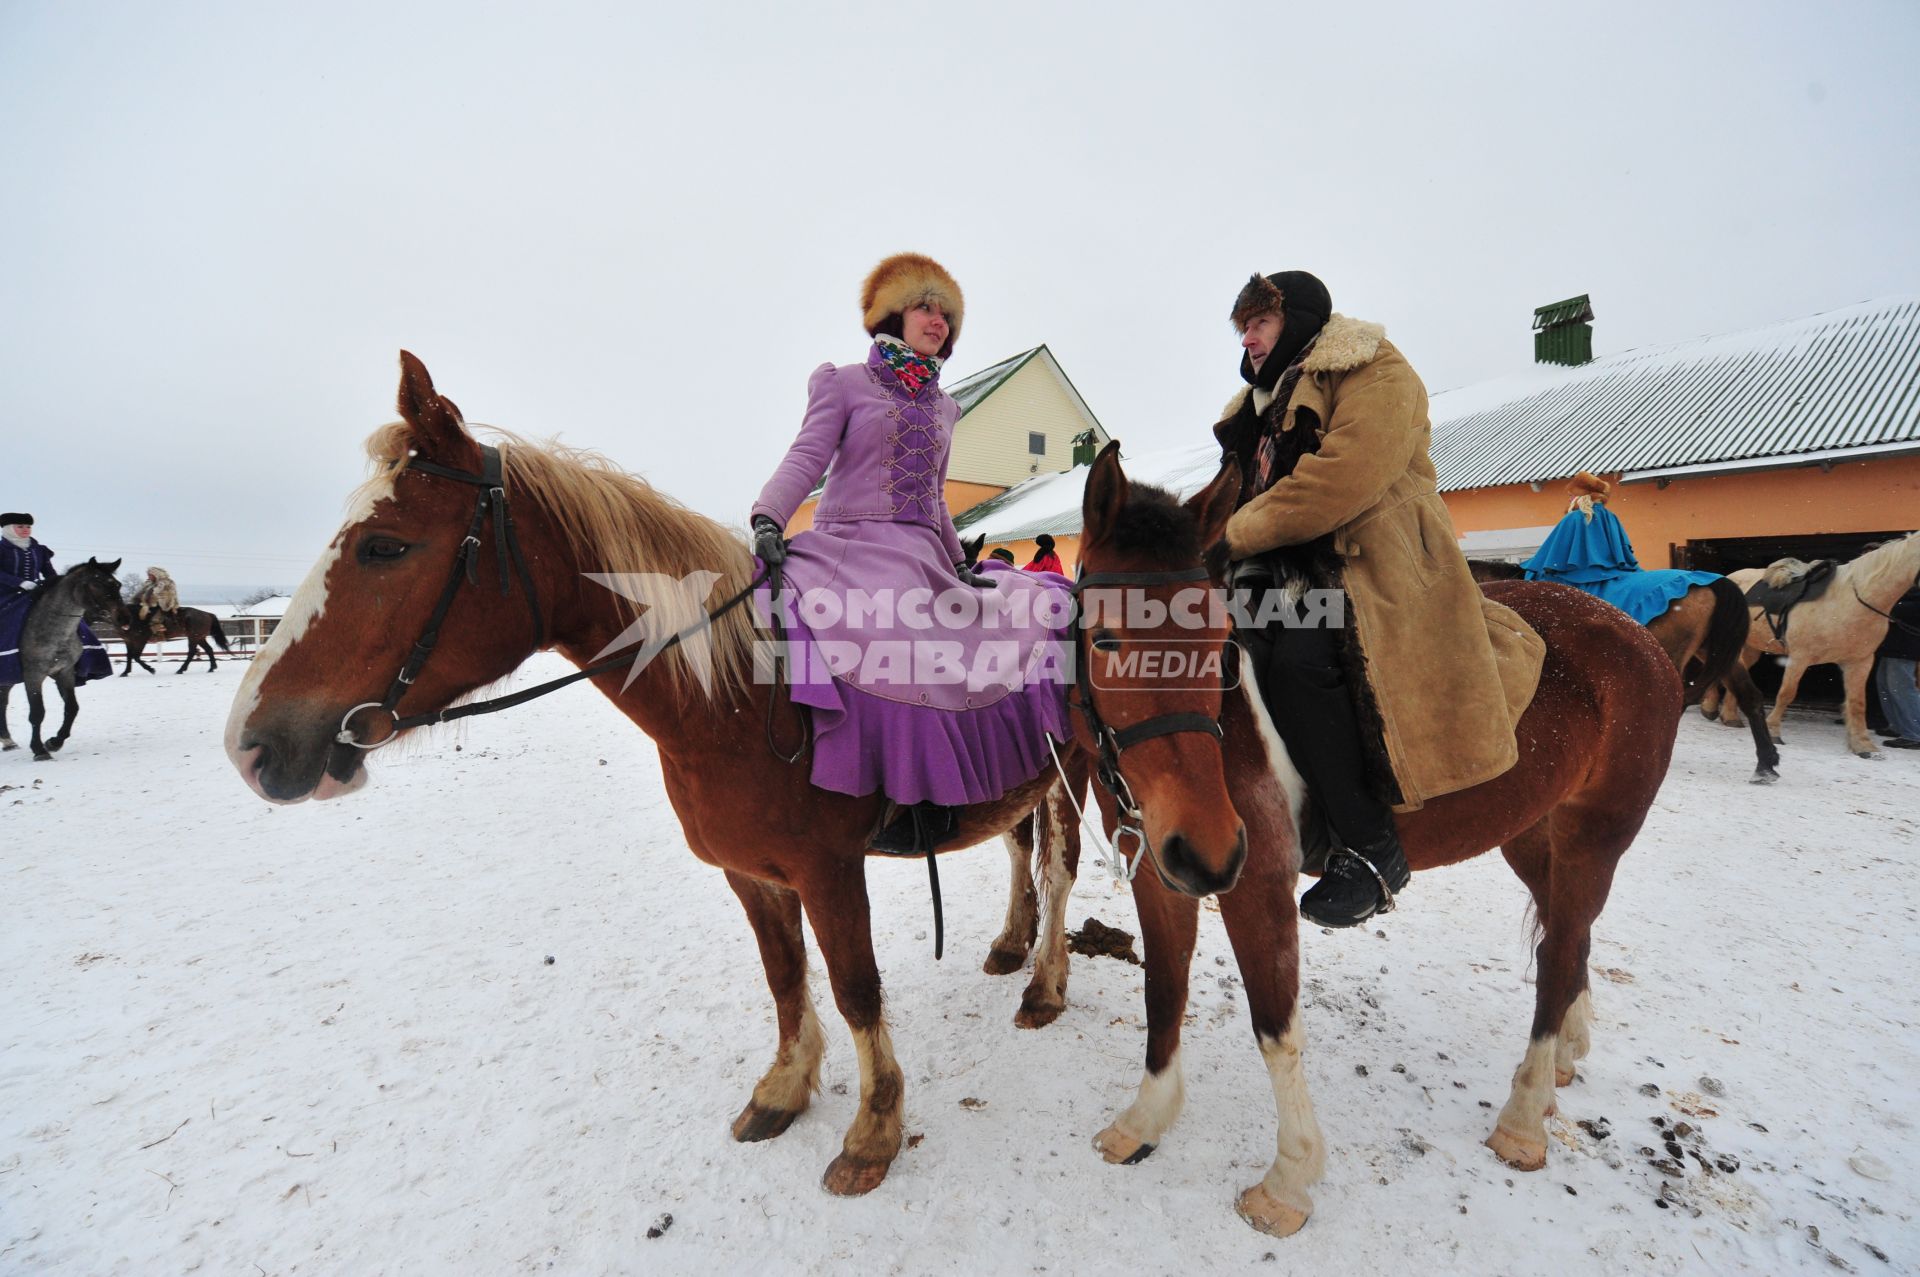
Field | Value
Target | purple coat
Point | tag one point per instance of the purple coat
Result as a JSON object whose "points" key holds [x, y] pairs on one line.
{"points": [[964, 727], [884, 468]]}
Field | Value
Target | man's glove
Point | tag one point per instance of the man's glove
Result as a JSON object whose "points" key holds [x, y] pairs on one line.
{"points": [[975, 579], [767, 541], [28, 585]]}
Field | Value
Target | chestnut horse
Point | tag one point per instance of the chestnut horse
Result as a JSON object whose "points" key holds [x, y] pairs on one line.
{"points": [[1593, 746], [1702, 633], [398, 569]]}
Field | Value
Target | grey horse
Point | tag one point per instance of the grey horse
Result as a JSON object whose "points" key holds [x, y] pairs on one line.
{"points": [[50, 646]]}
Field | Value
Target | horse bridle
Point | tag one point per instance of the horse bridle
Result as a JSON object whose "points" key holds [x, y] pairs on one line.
{"points": [[491, 499], [1110, 742]]}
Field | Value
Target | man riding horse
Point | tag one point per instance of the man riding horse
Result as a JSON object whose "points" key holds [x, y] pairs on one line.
{"points": [[1413, 689], [155, 600]]}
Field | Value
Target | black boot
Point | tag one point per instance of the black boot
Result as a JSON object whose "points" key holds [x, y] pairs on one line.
{"points": [[1357, 884], [915, 830]]}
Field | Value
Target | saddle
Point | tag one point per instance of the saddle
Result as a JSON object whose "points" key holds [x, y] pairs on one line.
{"points": [[1787, 584]]}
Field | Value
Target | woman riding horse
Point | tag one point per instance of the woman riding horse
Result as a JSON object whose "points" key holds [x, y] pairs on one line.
{"points": [[883, 532], [27, 566]]}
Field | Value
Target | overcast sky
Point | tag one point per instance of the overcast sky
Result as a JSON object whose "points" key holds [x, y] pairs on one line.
{"points": [[640, 227]]}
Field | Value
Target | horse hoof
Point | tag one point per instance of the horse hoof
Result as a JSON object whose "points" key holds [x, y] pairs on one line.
{"points": [[1122, 1149], [42, 756], [1563, 1077], [755, 1123], [55, 746], [1004, 961], [1767, 777], [1517, 1151], [1035, 1013], [852, 1176], [6, 745], [1778, 739], [1269, 1214], [1868, 753]]}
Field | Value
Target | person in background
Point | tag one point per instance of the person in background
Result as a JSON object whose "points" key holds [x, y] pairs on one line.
{"points": [[1044, 559], [1895, 672], [1003, 554]]}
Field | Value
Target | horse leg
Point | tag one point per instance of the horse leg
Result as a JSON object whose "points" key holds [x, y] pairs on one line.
{"points": [[1586, 845], [1263, 924], [1853, 676], [1789, 688], [1168, 921], [786, 1089], [1015, 941], [836, 904], [1530, 855], [70, 706], [36, 714], [1767, 758], [6, 738], [1045, 996], [212, 665]]}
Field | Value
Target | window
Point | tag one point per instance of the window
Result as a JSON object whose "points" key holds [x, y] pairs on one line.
{"points": [[1036, 443]]}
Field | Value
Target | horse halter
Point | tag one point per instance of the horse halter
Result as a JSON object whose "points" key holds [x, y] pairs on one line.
{"points": [[1109, 741], [492, 498]]}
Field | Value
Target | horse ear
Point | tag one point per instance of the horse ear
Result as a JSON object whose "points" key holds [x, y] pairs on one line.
{"points": [[1106, 494], [438, 428], [113, 566], [1212, 506]]}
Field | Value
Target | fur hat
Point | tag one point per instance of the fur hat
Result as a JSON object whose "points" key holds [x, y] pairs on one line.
{"points": [[1288, 290], [902, 282], [1001, 553], [1044, 542], [1586, 484], [13, 517]]}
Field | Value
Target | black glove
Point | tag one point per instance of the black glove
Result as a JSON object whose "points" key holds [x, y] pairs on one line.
{"points": [[976, 580], [767, 541]]}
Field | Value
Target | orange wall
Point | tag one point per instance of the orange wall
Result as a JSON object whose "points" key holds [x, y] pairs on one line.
{"points": [[1860, 496], [961, 497]]}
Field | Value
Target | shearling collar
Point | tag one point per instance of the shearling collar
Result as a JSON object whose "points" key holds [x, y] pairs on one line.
{"points": [[1345, 344]]}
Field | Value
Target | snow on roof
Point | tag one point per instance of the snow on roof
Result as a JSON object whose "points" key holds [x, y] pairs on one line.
{"points": [[268, 607], [1050, 503], [1841, 379]]}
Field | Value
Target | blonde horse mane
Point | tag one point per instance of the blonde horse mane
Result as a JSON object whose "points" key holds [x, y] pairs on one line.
{"points": [[1886, 566], [616, 522]]}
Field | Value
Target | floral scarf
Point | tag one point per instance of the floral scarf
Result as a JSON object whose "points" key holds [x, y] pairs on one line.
{"points": [[913, 369]]}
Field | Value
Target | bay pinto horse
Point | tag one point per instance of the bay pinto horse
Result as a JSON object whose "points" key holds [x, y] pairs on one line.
{"points": [[50, 648], [1594, 745], [191, 623], [394, 571], [1702, 633], [1842, 627]]}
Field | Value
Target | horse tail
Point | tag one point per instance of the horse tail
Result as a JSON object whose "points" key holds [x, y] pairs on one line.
{"points": [[1727, 631], [219, 635]]}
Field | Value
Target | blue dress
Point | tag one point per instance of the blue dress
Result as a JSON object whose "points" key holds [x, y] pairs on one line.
{"points": [[1592, 553], [35, 563]]}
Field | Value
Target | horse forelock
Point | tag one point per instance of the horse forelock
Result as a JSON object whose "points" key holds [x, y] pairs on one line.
{"points": [[1155, 523]]}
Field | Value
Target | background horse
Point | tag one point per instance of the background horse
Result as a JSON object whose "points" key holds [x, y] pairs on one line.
{"points": [[50, 648], [190, 623], [1842, 627], [396, 570], [1593, 749], [1702, 633]]}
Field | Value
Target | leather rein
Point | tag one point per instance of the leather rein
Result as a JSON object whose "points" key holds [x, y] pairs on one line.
{"points": [[1110, 742]]}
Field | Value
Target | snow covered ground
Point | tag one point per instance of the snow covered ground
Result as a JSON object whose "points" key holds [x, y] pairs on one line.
{"points": [[326, 1039]]}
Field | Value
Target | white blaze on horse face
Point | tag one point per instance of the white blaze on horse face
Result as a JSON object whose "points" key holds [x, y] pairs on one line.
{"points": [[1279, 762], [306, 607]]}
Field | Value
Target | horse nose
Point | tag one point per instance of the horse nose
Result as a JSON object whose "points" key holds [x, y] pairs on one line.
{"points": [[1187, 871]]}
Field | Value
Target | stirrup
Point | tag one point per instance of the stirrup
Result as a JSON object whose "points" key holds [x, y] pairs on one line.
{"points": [[1386, 892]]}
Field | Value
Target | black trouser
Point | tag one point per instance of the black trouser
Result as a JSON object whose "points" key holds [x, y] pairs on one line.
{"points": [[1301, 679]]}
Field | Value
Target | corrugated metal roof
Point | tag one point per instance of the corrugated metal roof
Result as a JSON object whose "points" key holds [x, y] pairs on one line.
{"points": [[1847, 378], [1051, 503]]}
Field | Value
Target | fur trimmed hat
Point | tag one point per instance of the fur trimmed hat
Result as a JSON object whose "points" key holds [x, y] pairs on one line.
{"points": [[902, 282], [11, 518], [1586, 484], [1295, 290]]}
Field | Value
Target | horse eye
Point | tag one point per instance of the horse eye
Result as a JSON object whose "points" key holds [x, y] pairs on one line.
{"points": [[382, 550], [1105, 641]]}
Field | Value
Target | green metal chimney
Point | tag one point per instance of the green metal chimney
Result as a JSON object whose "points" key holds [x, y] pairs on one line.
{"points": [[1084, 448], [1563, 332]]}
